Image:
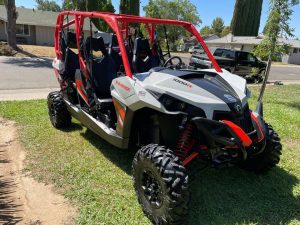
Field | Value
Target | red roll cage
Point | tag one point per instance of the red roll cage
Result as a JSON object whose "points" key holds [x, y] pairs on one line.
{"points": [[119, 24]]}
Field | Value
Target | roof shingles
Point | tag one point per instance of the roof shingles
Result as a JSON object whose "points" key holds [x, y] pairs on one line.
{"points": [[35, 17], [230, 39]]}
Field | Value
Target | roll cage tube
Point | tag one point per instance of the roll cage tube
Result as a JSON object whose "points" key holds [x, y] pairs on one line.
{"points": [[119, 24]]}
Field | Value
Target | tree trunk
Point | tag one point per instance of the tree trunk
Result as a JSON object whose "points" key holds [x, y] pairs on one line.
{"points": [[11, 23], [246, 17]]}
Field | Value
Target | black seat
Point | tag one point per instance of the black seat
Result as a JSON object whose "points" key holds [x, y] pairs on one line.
{"points": [[143, 59], [157, 55], [113, 51], [103, 69], [70, 58], [71, 64]]}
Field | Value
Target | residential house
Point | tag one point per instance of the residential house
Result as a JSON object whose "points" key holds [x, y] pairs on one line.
{"points": [[33, 27], [184, 44], [248, 43]]}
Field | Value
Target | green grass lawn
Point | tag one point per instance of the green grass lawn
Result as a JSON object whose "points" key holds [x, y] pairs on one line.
{"points": [[97, 176]]}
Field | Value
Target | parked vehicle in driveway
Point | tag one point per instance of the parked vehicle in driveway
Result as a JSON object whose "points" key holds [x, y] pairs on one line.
{"points": [[237, 62], [196, 49], [124, 89]]}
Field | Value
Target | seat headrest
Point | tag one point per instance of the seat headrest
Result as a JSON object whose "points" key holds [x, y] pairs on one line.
{"points": [[71, 38], [141, 45], [97, 44]]}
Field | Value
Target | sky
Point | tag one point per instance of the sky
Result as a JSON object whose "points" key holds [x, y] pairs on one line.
{"points": [[208, 10]]}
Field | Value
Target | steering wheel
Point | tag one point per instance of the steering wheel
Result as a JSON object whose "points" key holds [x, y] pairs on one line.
{"points": [[172, 66]]}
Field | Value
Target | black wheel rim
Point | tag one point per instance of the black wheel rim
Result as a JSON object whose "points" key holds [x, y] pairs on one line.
{"points": [[152, 189]]}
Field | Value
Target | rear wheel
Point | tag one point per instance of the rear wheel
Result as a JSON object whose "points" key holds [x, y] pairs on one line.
{"points": [[269, 158], [58, 113], [260, 77], [161, 184]]}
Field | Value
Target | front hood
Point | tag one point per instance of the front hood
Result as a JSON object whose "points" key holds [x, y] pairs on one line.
{"points": [[204, 89]]}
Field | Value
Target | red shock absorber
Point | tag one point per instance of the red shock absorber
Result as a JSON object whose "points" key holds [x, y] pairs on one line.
{"points": [[186, 142]]}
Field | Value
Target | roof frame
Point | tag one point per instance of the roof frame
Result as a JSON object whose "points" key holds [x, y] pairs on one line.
{"points": [[113, 20]]}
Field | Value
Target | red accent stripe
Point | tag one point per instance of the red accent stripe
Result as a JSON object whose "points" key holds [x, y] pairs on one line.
{"points": [[119, 108], [79, 85], [246, 141], [259, 127], [190, 158]]}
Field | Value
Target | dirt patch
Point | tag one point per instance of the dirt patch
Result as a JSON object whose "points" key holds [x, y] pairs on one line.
{"points": [[22, 199], [36, 51]]}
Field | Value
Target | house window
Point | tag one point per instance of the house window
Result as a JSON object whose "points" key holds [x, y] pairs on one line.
{"points": [[295, 50], [21, 29]]}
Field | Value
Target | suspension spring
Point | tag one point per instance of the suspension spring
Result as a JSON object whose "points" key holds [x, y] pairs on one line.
{"points": [[185, 142]]}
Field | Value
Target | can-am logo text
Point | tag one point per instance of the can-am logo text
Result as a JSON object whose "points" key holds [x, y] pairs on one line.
{"points": [[123, 86], [183, 83]]}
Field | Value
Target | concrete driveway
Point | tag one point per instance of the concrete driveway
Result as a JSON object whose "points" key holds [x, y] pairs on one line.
{"points": [[33, 78]]}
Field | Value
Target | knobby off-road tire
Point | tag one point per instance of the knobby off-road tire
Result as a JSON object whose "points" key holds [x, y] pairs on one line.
{"points": [[260, 77], [161, 185], [269, 158], [58, 113]]}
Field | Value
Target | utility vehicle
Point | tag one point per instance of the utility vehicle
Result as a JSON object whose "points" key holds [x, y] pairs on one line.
{"points": [[123, 87]]}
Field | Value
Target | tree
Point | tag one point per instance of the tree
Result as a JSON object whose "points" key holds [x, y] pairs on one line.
{"points": [[217, 26], [205, 30], [11, 22], [225, 31], [277, 26], [131, 7], [172, 9], [47, 5], [91, 5], [246, 17]]}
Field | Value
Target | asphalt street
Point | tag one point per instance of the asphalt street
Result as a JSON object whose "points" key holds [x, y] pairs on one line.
{"points": [[27, 78]]}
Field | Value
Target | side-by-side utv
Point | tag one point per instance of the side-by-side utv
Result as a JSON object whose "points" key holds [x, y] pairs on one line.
{"points": [[123, 87]]}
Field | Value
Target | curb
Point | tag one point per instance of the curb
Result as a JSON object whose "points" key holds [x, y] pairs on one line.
{"points": [[25, 94]]}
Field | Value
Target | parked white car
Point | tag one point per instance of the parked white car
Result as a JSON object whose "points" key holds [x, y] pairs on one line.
{"points": [[196, 49]]}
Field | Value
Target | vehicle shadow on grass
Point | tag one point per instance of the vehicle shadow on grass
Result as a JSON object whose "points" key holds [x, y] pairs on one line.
{"points": [[72, 128], [229, 195], [30, 62], [120, 157], [234, 196], [295, 105]]}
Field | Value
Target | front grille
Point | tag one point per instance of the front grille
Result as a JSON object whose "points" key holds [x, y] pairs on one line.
{"points": [[244, 120]]}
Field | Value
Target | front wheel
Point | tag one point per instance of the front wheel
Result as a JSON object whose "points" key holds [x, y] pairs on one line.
{"points": [[161, 184], [269, 158]]}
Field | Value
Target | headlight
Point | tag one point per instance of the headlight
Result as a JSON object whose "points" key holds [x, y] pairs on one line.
{"points": [[169, 102], [176, 105], [248, 92], [172, 104]]}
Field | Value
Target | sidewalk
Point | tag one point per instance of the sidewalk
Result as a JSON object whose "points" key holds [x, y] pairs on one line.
{"points": [[25, 94], [286, 65]]}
